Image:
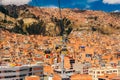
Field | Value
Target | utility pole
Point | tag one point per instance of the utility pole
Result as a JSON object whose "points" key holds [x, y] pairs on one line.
{"points": [[60, 9], [61, 22], [64, 49]]}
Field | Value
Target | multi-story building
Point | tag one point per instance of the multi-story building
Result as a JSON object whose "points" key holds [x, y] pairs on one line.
{"points": [[95, 72], [81, 68], [19, 72]]}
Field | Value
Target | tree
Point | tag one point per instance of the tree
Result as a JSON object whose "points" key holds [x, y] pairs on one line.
{"points": [[36, 28], [65, 25], [3, 10], [29, 26]]}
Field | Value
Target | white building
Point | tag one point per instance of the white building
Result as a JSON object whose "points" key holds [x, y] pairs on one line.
{"points": [[95, 72], [81, 68], [19, 72]]}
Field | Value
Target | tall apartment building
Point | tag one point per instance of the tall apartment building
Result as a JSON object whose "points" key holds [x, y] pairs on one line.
{"points": [[20, 72]]}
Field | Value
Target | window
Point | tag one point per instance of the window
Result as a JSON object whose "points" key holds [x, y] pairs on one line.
{"points": [[9, 71], [41, 73], [37, 73], [23, 75], [102, 72], [110, 71], [98, 72], [23, 69], [101, 79], [1, 77], [65, 79], [114, 70], [30, 69], [36, 69], [90, 71], [107, 71], [88, 55], [30, 74], [10, 76]]}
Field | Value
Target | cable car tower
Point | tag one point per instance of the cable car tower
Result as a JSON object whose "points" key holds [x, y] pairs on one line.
{"points": [[63, 51]]}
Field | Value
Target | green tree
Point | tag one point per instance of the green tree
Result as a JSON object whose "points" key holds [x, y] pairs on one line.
{"points": [[36, 28], [65, 25]]}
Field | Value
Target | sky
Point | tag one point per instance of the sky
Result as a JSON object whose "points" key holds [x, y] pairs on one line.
{"points": [[102, 5]]}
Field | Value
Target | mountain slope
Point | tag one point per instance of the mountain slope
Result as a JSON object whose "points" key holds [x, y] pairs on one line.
{"points": [[73, 19]]}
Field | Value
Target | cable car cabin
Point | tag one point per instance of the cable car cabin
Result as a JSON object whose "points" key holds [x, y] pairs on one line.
{"points": [[64, 50], [47, 53], [72, 61], [88, 55], [65, 39], [57, 47]]}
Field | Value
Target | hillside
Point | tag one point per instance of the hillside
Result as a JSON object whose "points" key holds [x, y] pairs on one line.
{"points": [[46, 21]]}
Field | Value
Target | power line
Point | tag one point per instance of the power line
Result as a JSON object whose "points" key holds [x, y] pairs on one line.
{"points": [[61, 21], [37, 3], [60, 9]]}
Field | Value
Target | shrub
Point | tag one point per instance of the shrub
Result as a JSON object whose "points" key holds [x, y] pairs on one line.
{"points": [[65, 25], [106, 29]]}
